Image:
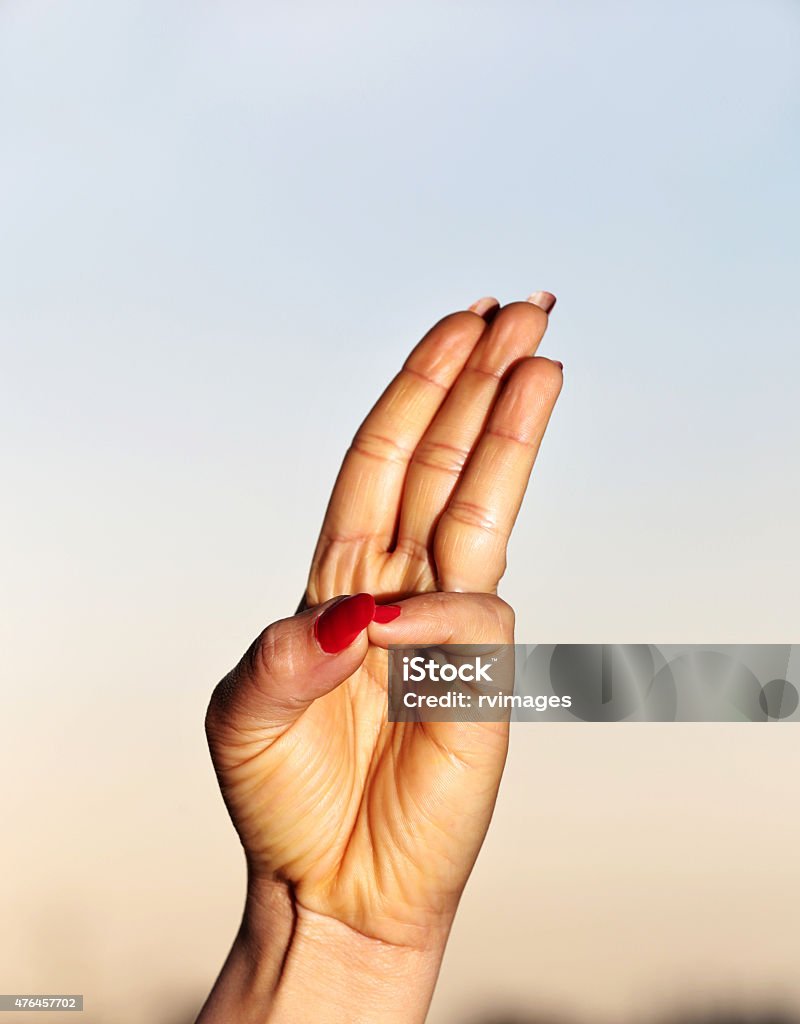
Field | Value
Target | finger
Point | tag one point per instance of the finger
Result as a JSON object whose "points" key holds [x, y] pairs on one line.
{"points": [[291, 664], [472, 535], [485, 307], [514, 333], [367, 492], [485, 623], [438, 618], [544, 300]]}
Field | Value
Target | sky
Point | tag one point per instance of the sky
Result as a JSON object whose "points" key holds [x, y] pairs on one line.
{"points": [[222, 228]]}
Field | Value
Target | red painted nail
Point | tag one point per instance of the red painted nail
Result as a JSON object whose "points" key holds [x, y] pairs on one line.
{"points": [[386, 612], [339, 625], [559, 364]]}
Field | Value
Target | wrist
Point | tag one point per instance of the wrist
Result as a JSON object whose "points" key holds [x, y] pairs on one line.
{"points": [[333, 973], [289, 964]]}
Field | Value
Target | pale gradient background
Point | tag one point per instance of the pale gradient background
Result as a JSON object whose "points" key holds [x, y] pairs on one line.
{"points": [[222, 225]]}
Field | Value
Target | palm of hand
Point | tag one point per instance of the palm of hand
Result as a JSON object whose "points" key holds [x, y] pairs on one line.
{"points": [[376, 824]]}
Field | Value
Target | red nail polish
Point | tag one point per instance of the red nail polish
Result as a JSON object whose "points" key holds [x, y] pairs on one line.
{"points": [[386, 613], [339, 625], [559, 364]]}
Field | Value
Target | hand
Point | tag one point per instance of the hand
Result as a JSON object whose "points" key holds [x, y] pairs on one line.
{"points": [[359, 833], [431, 486], [372, 827]]}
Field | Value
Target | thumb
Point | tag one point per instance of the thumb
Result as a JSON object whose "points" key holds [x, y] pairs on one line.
{"points": [[291, 664]]}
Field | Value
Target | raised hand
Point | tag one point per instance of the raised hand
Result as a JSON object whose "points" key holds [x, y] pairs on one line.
{"points": [[360, 833]]}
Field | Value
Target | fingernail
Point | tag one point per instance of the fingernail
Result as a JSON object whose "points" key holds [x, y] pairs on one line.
{"points": [[339, 625], [482, 306], [386, 612], [559, 364], [544, 300]]}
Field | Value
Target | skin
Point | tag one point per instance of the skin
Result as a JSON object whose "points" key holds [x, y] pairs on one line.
{"points": [[359, 833], [431, 486]]}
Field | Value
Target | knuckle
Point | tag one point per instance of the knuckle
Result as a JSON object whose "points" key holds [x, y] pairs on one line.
{"points": [[468, 513], [272, 654], [377, 446], [434, 454]]}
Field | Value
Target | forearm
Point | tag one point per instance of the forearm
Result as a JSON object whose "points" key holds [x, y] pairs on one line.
{"points": [[289, 965], [246, 986]]}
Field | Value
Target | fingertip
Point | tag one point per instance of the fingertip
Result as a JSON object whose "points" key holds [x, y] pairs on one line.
{"points": [[381, 630], [544, 300], [341, 623], [485, 306], [386, 613]]}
